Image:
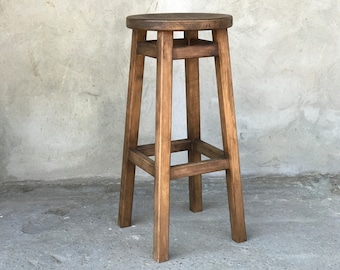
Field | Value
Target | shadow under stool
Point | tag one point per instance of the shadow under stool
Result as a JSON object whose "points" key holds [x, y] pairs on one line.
{"points": [[166, 49]]}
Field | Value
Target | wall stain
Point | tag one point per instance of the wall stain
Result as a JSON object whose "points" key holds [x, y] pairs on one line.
{"points": [[8, 141], [91, 94], [49, 2], [34, 64]]}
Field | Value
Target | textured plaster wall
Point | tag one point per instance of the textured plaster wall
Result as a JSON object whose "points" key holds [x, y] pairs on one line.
{"points": [[64, 69]]}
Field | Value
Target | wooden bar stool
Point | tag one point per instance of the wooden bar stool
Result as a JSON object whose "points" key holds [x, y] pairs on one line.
{"points": [[166, 49]]}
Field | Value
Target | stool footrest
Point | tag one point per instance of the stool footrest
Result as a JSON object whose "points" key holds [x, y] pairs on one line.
{"points": [[182, 48], [197, 168], [176, 146], [217, 162]]}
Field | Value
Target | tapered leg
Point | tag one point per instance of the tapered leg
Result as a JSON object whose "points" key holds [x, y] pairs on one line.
{"points": [[193, 123], [229, 136], [163, 145], [131, 129]]}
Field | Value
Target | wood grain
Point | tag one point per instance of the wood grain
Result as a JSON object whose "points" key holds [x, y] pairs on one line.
{"points": [[131, 129], [163, 145], [196, 49], [179, 21], [165, 49], [193, 123], [229, 136]]}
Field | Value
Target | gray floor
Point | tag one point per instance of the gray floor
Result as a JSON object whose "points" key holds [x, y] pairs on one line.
{"points": [[292, 223]]}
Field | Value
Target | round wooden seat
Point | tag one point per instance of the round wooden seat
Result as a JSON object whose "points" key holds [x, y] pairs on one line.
{"points": [[179, 21]]}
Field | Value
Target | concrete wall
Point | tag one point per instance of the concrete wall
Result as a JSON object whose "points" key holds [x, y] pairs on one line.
{"points": [[64, 69]]}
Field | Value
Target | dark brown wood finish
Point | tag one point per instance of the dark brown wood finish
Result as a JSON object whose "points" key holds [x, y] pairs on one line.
{"points": [[195, 167], [163, 146], [176, 146], [165, 49], [131, 129], [196, 49], [229, 136], [193, 122], [179, 21]]}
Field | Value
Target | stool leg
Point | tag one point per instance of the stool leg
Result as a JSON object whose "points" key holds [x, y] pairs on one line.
{"points": [[193, 123], [229, 136], [131, 129], [163, 145]]}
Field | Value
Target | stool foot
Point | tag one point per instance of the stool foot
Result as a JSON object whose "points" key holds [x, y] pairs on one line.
{"points": [[126, 195]]}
